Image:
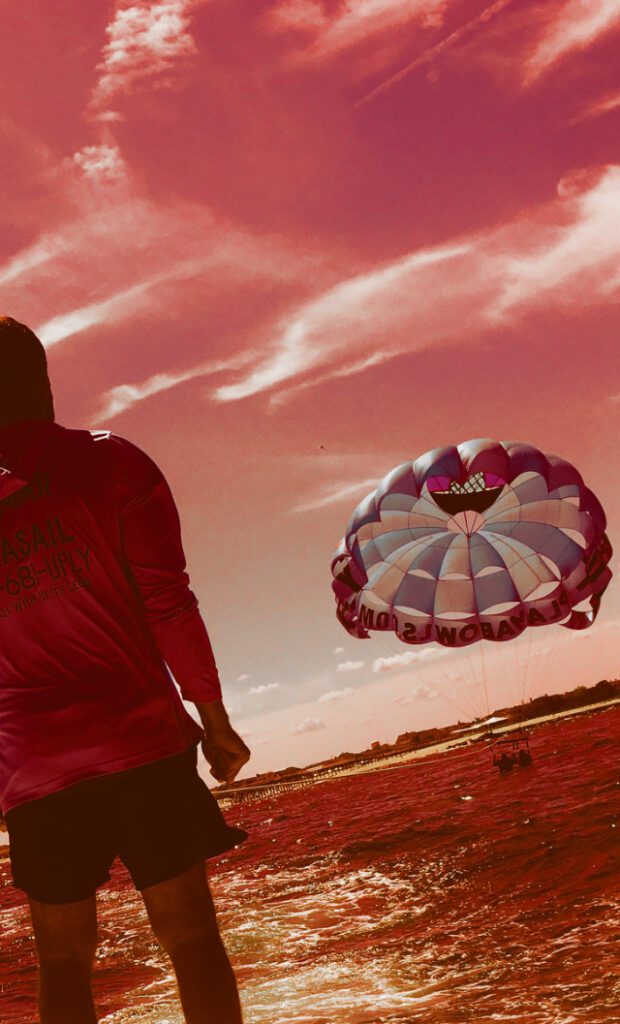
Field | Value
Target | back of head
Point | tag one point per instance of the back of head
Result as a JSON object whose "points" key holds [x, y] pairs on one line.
{"points": [[25, 391]]}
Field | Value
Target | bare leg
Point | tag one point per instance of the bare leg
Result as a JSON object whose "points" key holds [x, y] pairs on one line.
{"points": [[66, 940], [183, 918]]}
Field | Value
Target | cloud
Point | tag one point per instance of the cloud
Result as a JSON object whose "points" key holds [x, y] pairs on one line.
{"points": [[122, 305], [308, 725], [562, 253], [438, 49], [332, 695], [583, 253], [577, 25], [287, 394], [305, 15], [385, 664], [349, 666], [324, 36], [123, 396], [350, 311], [126, 231], [32, 258], [523, 47], [146, 40], [117, 254], [334, 495], [264, 687], [605, 104], [102, 162], [425, 693], [243, 678], [115, 307], [338, 650]]}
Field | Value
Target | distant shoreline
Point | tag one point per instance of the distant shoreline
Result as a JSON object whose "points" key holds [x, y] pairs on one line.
{"points": [[309, 777], [312, 777]]}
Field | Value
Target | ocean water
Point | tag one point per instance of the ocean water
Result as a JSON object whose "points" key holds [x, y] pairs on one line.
{"points": [[437, 892]]}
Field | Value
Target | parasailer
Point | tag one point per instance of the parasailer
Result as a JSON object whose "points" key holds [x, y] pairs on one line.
{"points": [[481, 541], [475, 542]]}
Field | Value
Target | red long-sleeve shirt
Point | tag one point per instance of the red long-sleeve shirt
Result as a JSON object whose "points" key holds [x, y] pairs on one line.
{"points": [[95, 609]]}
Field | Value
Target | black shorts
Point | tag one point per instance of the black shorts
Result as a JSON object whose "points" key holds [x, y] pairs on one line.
{"points": [[159, 818]]}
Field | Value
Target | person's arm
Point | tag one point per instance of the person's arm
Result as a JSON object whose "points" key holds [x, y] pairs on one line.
{"points": [[151, 539], [214, 716], [153, 550]]}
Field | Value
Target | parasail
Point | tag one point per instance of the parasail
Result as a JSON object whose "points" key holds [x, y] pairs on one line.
{"points": [[479, 541]]}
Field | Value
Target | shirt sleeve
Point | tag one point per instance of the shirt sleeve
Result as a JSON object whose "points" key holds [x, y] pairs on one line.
{"points": [[153, 549]]}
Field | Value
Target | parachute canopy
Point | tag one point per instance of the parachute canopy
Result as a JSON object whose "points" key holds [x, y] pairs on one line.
{"points": [[478, 541]]}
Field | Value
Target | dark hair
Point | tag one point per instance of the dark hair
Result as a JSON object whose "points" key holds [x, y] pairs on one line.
{"points": [[25, 390]]}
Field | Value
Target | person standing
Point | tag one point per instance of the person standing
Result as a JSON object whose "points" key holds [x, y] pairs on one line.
{"points": [[98, 754]]}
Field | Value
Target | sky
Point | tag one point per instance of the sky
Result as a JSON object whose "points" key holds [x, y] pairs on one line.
{"points": [[286, 245]]}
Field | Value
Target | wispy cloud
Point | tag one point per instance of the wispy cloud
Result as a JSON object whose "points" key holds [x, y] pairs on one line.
{"points": [[350, 370], [357, 304], [425, 692], [120, 254], [335, 494], [325, 34], [264, 687], [35, 256], [302, 15], [333, 695], [349, 666], [78, 320], [451, 292], [605, 104], [576, 25], [308, 725], [119, 306], [454, 39], [124, 396], [385, 664], [146, 40], [123, 228], [525, 47], [585, 251]]}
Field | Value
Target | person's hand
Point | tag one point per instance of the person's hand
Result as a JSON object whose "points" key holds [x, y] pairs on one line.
{"points": [[223, 748], [226, 753]]}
